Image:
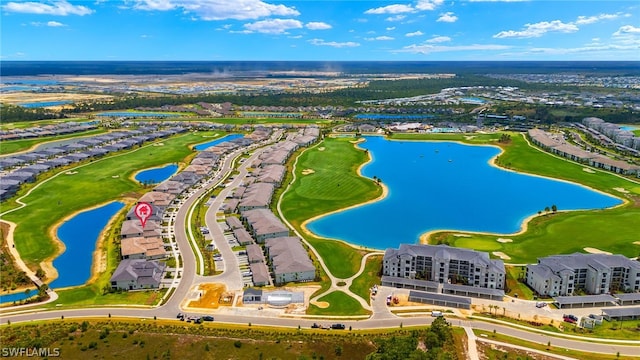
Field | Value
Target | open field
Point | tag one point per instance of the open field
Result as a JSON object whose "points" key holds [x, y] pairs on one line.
{"points": [[254, 121], [333, 185], [12, 146], [340, 304], [28, 97], [96, 183], [91, 295]]}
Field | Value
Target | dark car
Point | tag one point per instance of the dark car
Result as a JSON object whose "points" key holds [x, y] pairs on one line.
{"points": [[180, 316], [338, 326], [316, 326], [207, 318]]}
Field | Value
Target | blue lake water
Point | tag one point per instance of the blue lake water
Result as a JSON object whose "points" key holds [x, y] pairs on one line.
{"points": [[9, 298], [137, 114], [217, 141], [630, 127], [446, 185], [156, 175], [45, 103], [474, 100], [80, 235]]}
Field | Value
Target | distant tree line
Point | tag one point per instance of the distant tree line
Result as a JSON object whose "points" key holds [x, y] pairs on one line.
{"points": [[13, 113]]}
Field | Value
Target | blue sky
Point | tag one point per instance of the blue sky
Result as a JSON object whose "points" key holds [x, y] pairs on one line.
{"points": [[396, 30]]}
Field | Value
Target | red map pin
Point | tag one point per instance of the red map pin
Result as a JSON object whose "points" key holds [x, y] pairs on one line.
{"points": [[143, 212]]}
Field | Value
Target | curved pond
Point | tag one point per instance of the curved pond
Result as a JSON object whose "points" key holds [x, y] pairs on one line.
{"points": [[80, 235], [217, 141], [156, 175], [446, 185], [9, 298]]}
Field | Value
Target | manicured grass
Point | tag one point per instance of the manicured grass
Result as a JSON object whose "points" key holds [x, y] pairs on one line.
{"points": [[516, 287], [466, 138], [90, 295], [11, 146], [334, 184], [245, 121], [340, 304], [93, 184], [369, 277], [552, 349]]}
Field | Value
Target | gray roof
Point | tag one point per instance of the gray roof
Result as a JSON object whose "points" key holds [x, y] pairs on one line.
{"points": [[259, 273], [474, 289], [628, 296], [622, 311], [444, 252], [234, 222], [586, 299], [139, 270], [440, 297]]}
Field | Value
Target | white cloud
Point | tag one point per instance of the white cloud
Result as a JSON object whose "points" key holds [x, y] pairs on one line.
{"points": [[427, 48], [391, 9], [415, 33], [55, 24], [395, 18], [498, 0], [447, 17], [61, 8], [438, 39], [428, 4], [321, 42], [273, 26], [220, 9], [538, 29], [627, 30], [314, 25], [584, 20], [391, 28], [380, 38]]}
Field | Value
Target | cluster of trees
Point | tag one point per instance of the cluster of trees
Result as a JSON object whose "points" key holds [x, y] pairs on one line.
{"points": [[437, 341], [13, 113]]}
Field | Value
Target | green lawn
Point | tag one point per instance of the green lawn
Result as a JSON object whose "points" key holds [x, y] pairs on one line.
{"points": [[90, 295], [340, 304], [252, 121], [94, 184], [334, 184], [369, 277], [11, 146]]}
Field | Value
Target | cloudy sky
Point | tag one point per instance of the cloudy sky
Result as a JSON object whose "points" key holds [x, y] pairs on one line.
{"points": [[320, 30]]}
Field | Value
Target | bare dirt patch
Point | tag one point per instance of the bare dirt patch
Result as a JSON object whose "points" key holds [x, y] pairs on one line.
{"points": [[501, 255], [591, 250], [503, 240], [212, 296]]}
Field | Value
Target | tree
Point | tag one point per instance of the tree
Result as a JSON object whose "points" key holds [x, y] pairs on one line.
{"points": [[554, 208]]}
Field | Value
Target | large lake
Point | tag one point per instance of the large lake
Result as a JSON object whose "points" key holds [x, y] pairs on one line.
{"points": [[447, 185], [80, 236]]}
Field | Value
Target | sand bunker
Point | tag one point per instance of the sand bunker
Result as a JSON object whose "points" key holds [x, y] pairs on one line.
{"points": [[321, 304], [158, 144], [307, 171], [590, 171], [636, 242], [501, 255], [503, 240], [622, 190], [71, 172], [321, 148], [462, 235], [469, 137], [115, 176], [591, 250]]}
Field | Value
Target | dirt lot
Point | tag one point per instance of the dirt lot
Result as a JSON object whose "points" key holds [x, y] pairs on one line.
{"points": [[213, 296]]}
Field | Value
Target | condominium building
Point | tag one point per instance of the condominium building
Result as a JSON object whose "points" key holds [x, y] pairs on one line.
{"points": [[444, 264], [563, 275]]}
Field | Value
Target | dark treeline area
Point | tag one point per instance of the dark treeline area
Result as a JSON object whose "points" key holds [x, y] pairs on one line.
{"points": [[12, 113], [382, 89]]}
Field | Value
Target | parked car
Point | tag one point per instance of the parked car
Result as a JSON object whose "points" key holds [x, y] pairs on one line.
{"points": [[338, 326], [180, 316], [541, 304], [316, 326], [207, 318], [570, 318]]}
